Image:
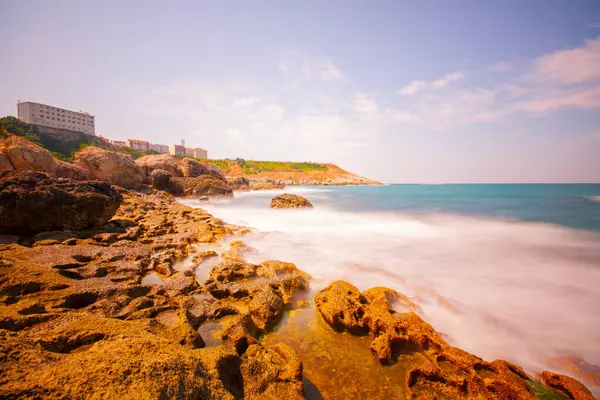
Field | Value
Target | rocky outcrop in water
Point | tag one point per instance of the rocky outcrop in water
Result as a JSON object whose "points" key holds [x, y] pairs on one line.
{"points": [[290, 201], [440, 370], [109, 166], [32, 202]]}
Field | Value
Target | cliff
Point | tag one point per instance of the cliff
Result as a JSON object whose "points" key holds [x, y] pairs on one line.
{"points": [[291, 173]]}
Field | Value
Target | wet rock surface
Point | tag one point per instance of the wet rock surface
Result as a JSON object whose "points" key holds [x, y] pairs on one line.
{"points": [[32, 202], [76, 321], [431, 367], [290, 201]]}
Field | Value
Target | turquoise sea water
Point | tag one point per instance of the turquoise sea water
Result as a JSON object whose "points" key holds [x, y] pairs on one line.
{"points": [[573, 205]]}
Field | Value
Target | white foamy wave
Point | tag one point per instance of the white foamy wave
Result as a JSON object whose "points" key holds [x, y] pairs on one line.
{"points": [[595, 199], [500, 289]]}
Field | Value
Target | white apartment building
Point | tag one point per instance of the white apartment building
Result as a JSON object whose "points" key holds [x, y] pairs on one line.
{"points": [[119, 143], [54, 117], [140, 145], [161, 148]]}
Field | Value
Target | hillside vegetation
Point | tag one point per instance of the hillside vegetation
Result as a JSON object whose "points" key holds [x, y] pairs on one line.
{"points": [[252, 167]]}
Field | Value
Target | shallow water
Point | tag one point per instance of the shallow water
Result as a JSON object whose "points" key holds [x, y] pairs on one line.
{"points": [[511, 280]]}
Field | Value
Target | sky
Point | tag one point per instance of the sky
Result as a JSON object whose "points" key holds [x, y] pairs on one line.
{"points": [[399, 91]]}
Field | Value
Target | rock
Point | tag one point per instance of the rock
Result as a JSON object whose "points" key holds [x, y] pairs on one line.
{"points": [[267, 184], [33, 202], [265, 309], [109, 166], [290, 201], [23, 155], [569, 386], [239, 183], [71, 171], [159, 161], [199, 186], [343, 307], [5, 164], [161, 180], [215, 171], [192, 168], [272, 373], [203, 199]]}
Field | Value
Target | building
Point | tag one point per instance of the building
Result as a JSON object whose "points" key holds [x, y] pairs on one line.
{"points": [[160, 148], [118, 143], [196, 153], [177, 150], [54, 117], [140, 145]]}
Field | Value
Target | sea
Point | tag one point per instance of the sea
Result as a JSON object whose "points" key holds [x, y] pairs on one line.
{"points": [[504, 271]]}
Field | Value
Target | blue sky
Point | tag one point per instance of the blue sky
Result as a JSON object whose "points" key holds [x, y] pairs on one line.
{"points": [[401, 91]]}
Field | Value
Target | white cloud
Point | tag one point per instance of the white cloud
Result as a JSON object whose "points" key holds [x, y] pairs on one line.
{"points": [[330, 73], [364, 104], [300, 65], [571, 66], [418, 86], [565, 79]]}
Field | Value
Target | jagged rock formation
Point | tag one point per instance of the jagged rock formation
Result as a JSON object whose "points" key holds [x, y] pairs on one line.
{"points": [[438, 370], [32, 202]]}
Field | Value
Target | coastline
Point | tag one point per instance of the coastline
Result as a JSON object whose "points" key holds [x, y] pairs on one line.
{"points": [[127, 293]]}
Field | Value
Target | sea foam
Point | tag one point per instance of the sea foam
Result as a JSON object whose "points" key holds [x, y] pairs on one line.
{"points": [[521, 291]]}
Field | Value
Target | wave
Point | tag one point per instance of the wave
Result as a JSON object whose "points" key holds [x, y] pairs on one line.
{"points": [[595, 199], [521, 291]]}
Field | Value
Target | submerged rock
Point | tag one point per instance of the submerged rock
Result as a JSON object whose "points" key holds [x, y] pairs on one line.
{"points": [[33, 202], [290, 201]]}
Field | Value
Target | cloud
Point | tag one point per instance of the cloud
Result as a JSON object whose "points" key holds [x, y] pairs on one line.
{"points": [[418, 86], [571, 66], [300, 65], [330, 73], [567, 79]]}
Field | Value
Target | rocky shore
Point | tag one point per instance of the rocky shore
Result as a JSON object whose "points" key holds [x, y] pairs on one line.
{"points": [[110, 288]]}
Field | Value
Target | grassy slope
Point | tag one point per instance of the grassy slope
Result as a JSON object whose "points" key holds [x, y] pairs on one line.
{"points": [[281, 170]]}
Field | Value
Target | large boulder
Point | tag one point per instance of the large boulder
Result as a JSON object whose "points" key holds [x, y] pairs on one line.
{"points": [[201, 186], [215, 171], [239, 183], [161, 180], [290, 201], [109, 166], [22, 155], [71, 171], [32, 202], [192, 168], [159, 161]]}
